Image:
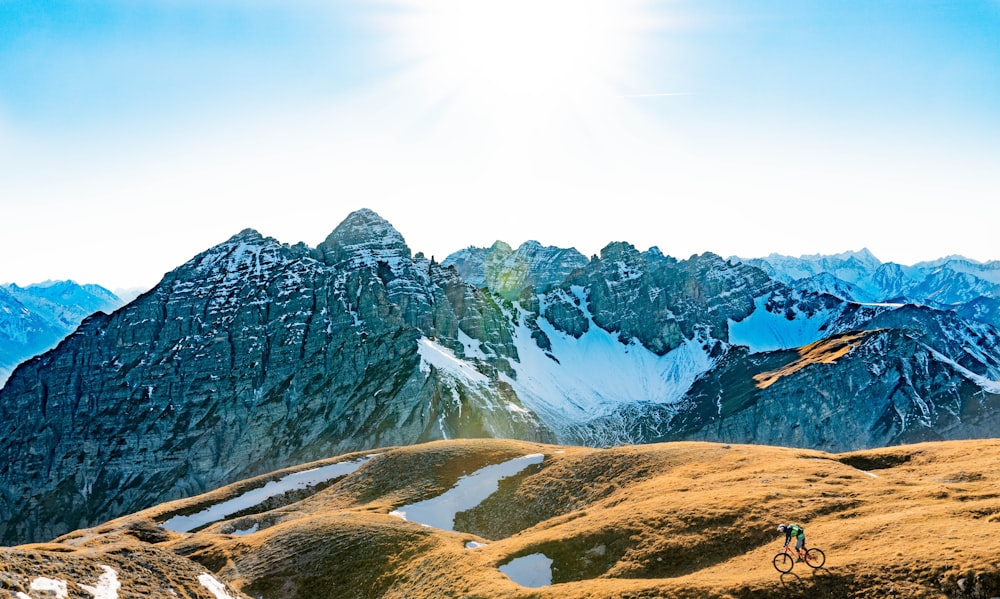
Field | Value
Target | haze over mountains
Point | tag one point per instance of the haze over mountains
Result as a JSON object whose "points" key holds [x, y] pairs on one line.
{"points": [[257, 355], [969, 288], [35, 318]]}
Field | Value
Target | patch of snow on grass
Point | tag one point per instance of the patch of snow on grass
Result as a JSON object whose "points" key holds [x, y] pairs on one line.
{"points": [[214, 586], [532, 571], [50, 585], [107, 585], [468, 492], [765, 331], [291, 482], [442, 358]]}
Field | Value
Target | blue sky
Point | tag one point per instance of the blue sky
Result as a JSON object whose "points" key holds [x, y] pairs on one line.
{"points": [[134, 135]]}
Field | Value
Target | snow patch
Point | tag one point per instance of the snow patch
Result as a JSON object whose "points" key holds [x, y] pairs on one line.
{"points": [[579, 380], [473, 347], [214, 586], [765, 331], [107, 585], [442, 358], [50, 585]]}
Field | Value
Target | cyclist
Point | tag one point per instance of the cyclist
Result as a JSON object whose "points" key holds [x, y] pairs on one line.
{"points": [[795, 530]]}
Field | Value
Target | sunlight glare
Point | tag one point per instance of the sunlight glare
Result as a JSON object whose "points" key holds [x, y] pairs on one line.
{"points": [[519, 62]]}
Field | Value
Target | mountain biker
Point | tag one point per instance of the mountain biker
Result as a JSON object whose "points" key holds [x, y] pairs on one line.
{"points": [[795, 530]]}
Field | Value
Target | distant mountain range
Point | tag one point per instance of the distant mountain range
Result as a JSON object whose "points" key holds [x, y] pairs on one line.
{"points": [[256, 355], [35, 318], [969, 288]]}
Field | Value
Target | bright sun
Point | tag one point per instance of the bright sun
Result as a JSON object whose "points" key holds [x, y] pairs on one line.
{"points": [[519, 62]]}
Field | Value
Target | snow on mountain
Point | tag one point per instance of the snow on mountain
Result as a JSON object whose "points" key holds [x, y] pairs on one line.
{"points": [[987, 384], [365, 238], [355, 344], [852, 267], [581, 379], [825, 282], [765, 331], [950, 283], [988, 271], [66, 302]]}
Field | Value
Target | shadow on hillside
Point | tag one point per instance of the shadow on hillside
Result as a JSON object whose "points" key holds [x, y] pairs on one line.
{"points": [[814, 584], [874, 461]]}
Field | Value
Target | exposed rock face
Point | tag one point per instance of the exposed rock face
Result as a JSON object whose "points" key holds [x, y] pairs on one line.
{"points": [[662, 302], [251, 356], [256, 355], [898, 382], [507, 272]]}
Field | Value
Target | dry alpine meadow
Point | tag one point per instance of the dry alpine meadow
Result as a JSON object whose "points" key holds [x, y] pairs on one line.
{"points": [[493, 518]]}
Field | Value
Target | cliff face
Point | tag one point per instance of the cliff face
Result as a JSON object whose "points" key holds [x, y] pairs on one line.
{"points": [[251, 356], [873, 388], [508, 272]]}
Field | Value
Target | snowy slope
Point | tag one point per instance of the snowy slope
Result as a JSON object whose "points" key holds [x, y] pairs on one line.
{"points": [[581, 379], [765, 331]]}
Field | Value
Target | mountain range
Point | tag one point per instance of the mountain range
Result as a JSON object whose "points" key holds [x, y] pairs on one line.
{"points": [[35, 318], [969, 288], [257, 355]]}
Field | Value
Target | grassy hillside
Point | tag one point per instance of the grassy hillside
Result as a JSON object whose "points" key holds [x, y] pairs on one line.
{"points": [[666, 520]]}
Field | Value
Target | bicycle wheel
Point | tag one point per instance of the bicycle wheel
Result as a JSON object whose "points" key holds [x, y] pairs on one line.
{"points": [[783, 563], [815, 558]]}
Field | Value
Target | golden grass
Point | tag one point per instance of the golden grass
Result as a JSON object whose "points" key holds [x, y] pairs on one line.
{"points": [[825, 351], [668, 520]]}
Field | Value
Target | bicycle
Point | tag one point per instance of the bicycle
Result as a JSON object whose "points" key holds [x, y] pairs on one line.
{"points": [[786, 558]]}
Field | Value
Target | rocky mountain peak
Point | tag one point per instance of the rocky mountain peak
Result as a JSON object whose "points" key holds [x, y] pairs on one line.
{"points": [[247, 235], [508, 272], [501, 247], [366, 238]]}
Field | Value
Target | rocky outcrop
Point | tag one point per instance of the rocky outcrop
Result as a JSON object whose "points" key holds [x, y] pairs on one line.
{"points": [[509, 272], [251, 356], [659, 301]]}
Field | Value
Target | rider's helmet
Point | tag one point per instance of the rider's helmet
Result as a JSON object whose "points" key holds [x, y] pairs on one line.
{"points": [[782, 527]]}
